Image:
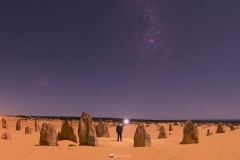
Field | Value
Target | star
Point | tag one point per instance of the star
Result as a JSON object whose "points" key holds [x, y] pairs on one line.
{"points": [[151, 40]]}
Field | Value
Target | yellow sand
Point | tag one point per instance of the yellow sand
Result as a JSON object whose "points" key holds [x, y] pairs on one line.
{"points": [[25, 147]]}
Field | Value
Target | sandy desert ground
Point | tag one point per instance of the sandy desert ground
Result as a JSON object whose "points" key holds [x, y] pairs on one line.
{"points": [[224, 146]]}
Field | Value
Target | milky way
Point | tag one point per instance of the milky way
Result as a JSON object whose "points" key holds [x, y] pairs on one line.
{"points": [[152, 41], [152, 50]]}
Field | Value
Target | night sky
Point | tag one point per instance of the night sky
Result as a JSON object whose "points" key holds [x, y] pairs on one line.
{"points": [[152, 59]]}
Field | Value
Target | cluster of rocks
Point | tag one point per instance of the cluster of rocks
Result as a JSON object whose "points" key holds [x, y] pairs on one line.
{"points": [[88, 132]]}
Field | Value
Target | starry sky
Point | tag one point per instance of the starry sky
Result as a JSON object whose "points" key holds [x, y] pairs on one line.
{"points": [[151, 59]]}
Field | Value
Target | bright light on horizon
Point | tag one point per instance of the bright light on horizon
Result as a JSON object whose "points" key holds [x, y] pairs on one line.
{"points": [[126, 121]]}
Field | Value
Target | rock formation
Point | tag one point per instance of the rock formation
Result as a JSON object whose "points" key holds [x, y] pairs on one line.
{"points": [[67, 132], [162, 133], [231, 126], [18, 125], [86, 131], [190, 133], [170, 127], [141, 137], [176, 124], [37, 126], [48, 135], [102, 129], [28, 130], [6, 136], [220, 128], [209, 133], [4, 123]]}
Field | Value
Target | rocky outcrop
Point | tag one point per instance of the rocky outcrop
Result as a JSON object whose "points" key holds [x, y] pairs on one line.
{"points": [[28, 130], [86, 131], [162, 132], [6, 136], [67, 132], [190, 133], [209, 133], [102, 129], [231, 126], [176, 124], [141, 137], [18, 125], [48, 135], [37, 126], [4, 123], [220, 128], [170, 127]]}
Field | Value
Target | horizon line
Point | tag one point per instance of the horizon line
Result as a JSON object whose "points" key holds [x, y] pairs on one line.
{"points": [[133, 119]]}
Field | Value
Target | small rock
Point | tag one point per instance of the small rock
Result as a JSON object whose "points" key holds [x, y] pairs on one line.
{"points": [[28, 130], [170, 127], [220, 128], [6, 136], [37, 126], [4, 123], [209, 133], [18, 125], [162, 133]]}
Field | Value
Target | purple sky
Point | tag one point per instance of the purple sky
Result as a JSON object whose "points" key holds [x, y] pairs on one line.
{"points": [[153, 59]]}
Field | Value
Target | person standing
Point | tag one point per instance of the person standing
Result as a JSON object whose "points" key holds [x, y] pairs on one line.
{"points": [[119, 131]]}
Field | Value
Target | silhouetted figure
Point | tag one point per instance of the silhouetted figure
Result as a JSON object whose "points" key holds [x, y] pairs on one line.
{"points": [[119, 131]]}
